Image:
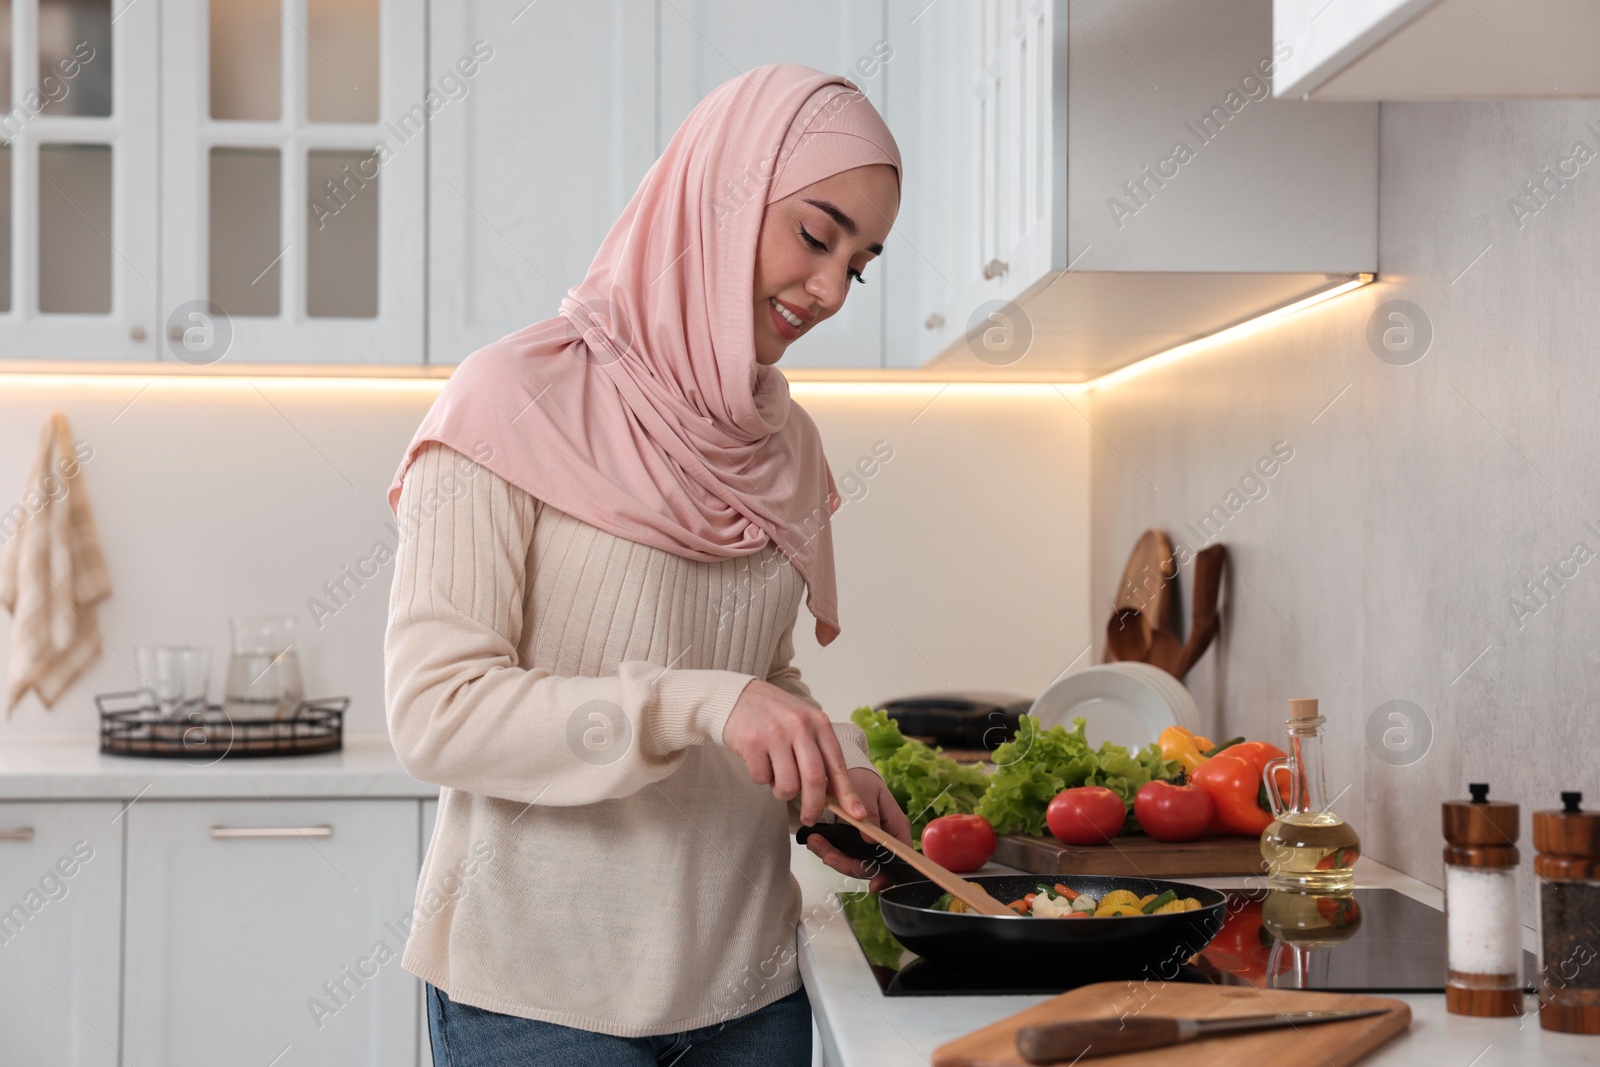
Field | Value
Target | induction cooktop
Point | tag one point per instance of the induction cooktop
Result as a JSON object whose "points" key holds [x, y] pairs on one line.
{"points": [[1371, 941]]}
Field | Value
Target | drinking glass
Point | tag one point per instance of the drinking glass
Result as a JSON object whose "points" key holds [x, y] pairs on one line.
{"points": [[173, 678]]}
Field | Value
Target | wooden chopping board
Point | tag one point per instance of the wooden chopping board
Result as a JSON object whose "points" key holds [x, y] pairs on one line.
{"points": [[1135, 856], [1323, 1045]]}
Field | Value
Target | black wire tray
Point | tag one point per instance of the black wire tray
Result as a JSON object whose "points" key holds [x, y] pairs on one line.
{"points": [[130, 726]]}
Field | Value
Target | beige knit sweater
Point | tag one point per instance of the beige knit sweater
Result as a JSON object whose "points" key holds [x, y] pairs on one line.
{"points": [[600, 859]]}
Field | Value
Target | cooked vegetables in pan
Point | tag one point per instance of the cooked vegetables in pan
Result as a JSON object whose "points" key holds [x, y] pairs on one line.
{"points": [[1061, 902]]}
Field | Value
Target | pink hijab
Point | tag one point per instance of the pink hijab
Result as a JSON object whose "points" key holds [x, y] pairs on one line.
{"points": [[640, 408]]}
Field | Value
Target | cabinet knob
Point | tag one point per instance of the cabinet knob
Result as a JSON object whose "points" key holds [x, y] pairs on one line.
{"points": [[994, 268], [136, 334], [20, 833], [933, 322]]}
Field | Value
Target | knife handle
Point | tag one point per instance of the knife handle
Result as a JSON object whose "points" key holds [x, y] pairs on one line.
{"points": [[848, 839], [1069, 1041]]}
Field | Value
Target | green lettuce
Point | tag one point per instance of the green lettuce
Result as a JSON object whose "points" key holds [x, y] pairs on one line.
{"points": [[861, 911], [1037, 764], [924, 782]]}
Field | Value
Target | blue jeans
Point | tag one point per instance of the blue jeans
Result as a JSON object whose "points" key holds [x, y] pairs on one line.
{"points": [[778, 1035]]}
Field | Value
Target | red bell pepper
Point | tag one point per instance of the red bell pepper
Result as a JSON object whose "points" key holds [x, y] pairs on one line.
{"points": [[1256, 753], [1234, 785]]}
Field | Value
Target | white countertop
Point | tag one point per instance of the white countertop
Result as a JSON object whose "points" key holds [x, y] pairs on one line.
{"points": [[860, 1027], [73, 769]]}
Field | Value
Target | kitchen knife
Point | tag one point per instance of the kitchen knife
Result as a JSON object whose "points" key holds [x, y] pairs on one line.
{"points": [[1071, 1041]]}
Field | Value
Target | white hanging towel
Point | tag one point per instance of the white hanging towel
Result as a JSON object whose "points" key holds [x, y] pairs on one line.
{"points": [[52, 573]]}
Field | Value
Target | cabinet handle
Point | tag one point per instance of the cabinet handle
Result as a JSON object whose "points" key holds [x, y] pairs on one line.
{"points": [[994, 268], [231, 833], [933, 322], [21, 833]]}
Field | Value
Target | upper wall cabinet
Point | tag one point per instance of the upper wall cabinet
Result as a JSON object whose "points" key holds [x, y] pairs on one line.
{"points": [[292, 180], [78, 241], [706, 42], [1437, 49], [247, 187], [397, 181], [530, 170], [535, 157], [1101, 180]]}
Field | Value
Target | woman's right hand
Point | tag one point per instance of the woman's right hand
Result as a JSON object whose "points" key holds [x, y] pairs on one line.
{"points": [[789, 745]]}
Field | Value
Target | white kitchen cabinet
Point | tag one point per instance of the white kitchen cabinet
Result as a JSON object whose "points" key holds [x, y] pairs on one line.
{"points": [[706, 42], [1132, 184], [264, 929], [528, 170], [929, 256], [1437, 49], [78, 166], [60, 925], [292, 178]]}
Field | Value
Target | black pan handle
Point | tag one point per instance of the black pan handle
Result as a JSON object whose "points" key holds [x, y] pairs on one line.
{"points": [[848, 839]]}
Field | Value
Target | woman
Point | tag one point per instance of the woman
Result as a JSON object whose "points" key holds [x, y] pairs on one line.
{"points": [[608, 520]]}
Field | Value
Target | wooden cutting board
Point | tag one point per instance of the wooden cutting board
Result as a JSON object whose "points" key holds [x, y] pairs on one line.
{"points": [[1136, 856], [1323, 1045]]}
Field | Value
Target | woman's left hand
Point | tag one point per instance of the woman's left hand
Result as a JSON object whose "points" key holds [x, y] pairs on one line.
{"points": [[881, 811]]}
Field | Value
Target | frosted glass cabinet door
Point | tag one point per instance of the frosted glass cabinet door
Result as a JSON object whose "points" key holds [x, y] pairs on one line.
{"points": [[706, 42], [535, 160], [293, 138], [267, 929], [78, 192], [61, 888]]}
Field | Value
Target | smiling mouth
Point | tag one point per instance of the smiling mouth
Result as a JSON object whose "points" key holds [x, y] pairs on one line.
{"points": [[788, 316]]}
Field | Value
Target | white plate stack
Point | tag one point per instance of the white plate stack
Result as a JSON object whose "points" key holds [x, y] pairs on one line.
{"points": [[1128, 703]]}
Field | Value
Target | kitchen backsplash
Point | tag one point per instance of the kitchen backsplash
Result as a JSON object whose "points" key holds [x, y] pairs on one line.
{"points": [[1421, 564], [220, 498]]}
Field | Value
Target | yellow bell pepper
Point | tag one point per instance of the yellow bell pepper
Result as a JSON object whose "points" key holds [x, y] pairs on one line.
{"points": [[1179, 744]]}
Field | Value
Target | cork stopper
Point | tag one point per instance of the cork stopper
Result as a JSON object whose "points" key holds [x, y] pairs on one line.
{"points": [[1481, 832], [1568, 840], [1302, 708]]}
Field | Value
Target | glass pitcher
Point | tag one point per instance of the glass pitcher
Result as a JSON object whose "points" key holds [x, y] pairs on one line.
{"points": [[1307, 847], [263, 671]]}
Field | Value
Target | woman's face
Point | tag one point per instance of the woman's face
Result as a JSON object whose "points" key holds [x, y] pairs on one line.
{"points": [[814, 244]]}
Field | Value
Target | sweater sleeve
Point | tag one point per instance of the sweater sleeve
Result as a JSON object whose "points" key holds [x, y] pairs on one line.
{"points": [[786, 676], [464, 713]]}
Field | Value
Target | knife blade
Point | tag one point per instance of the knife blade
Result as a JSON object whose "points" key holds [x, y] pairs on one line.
{"points": [[1088, 1038]]}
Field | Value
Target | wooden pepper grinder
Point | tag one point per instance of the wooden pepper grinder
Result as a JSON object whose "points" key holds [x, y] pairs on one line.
{"points": [[1568, 865], [1480, 901]]}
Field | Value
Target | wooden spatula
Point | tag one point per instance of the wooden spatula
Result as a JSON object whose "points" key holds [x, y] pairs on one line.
{"points": [[971, 894]]}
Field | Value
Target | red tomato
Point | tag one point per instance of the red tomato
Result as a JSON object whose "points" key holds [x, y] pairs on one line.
{"points": [[959, 843], [1169, 812], [1086, 815]]}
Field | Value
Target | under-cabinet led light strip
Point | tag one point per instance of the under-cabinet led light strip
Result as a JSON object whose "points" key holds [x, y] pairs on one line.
{"points": [[801, 384]]}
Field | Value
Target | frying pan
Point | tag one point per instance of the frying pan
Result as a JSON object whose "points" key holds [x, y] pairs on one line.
{"points": [[1124, 945]]}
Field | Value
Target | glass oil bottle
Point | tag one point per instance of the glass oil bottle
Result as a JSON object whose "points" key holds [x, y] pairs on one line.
{"points": [[1307, 847]]}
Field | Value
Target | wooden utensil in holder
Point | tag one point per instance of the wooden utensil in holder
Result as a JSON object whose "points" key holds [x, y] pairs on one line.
{"points": [[1145, 600]]}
